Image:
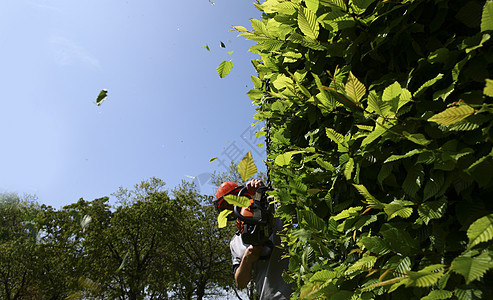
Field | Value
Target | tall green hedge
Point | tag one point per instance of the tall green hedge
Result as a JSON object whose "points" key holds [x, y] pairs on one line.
{"points": [[380, 116]]}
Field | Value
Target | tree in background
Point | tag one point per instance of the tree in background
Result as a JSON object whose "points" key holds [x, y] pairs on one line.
{"points": [[18, 249]]}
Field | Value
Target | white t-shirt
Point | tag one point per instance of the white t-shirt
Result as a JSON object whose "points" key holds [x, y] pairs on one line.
{"points": [[267, 272]]}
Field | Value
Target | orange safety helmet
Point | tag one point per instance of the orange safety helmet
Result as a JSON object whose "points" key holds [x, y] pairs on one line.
{"points": [[226, 188]]}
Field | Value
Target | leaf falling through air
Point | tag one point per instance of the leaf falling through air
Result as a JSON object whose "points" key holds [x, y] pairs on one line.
{"points": [[101, 97]]}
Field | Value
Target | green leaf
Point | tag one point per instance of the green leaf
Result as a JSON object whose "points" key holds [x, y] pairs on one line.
{"points": [[452, 115], [348, 168], [392, 92], [376, 245], [432, 210], [488, 89], [307, 21], [480, 231], [285, 158], [399, 264], [468, 294], [416, 138], [438, 295], [323, 275], [487, 17], [472, 268], [240, 201], [427, 84], [365, 263], [350, 212], [407, 155], [325, 164], [385, 171], [224, 68], [222, 219], [426, 277], [413, 181], [101, 97], [239, 28], [124, 260], [375, 104], [247, 167], [354, 88], [399, 208], [334, 135], [311, 219], [206, 47], [433, 185], [371, 201]]}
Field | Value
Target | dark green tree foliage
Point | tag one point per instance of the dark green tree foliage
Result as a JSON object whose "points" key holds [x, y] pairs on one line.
{"points": [[381, 144], [17, 248], [151, 246]]}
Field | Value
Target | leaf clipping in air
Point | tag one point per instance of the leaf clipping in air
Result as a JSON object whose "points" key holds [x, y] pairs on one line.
{"points": [[240, 201], [247, 167], [206, 47], [212, 159], [124, 260], [101, 97], [224, 68], [452, 115], [222, 219], [86, 220]]}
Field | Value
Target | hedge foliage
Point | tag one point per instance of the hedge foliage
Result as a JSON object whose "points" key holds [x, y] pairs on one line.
{"points": [[380, 115]]}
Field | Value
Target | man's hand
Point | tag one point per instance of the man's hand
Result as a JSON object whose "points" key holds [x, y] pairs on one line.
{"points": [[252, 253], [253, 185], [244, 271]]}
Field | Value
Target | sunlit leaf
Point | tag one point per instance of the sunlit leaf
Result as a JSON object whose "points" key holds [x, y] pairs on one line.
{"points": [[487, 17], [224, 68], [488, 89], [480, 231], [212, 159], [471, 267], [452, 115], [222, 219], [240, 201], [285, 158], [372, 201], [425, 277], [354, 88], [206, 47], [247, 167], [307, 21]]}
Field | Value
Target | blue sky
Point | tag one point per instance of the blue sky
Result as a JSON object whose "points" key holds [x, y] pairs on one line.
{"points": [[167, 112]]}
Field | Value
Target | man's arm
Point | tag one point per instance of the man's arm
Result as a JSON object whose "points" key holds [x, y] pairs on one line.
{"points": [[244, 272]]}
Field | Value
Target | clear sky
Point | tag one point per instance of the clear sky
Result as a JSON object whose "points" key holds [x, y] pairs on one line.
{"points": [[167, 112]]}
